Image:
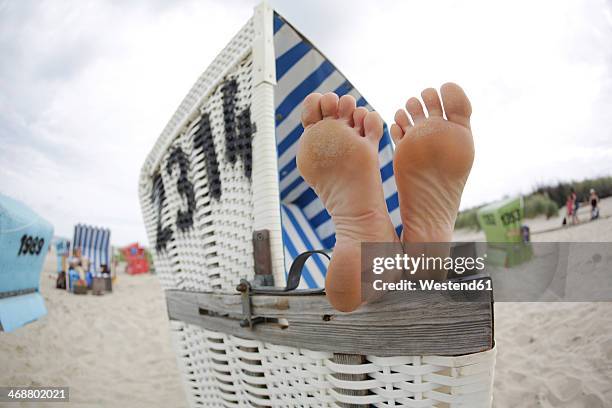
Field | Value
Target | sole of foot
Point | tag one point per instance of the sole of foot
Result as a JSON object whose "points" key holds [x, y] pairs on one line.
{"points": [[433, 158], [338, 157]]}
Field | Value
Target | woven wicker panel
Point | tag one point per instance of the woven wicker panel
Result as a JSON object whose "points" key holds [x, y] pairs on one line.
{"points": [[195, 186], [224, 370]]}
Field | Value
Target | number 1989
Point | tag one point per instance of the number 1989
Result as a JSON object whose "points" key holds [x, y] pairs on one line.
{"points": [[30, 245]]}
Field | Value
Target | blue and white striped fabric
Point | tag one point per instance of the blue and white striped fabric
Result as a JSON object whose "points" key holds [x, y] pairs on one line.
{"points": [[94, 244], [300, 70], [62, 249]]}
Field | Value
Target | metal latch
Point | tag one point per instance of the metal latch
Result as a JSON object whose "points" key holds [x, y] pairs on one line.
{"points": [[248, 289]]}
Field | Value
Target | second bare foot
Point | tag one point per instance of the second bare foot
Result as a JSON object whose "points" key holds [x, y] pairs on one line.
{"points": [[433, 159]]}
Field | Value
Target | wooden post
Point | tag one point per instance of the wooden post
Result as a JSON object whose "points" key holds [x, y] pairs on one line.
{"points": [[351, 359]]}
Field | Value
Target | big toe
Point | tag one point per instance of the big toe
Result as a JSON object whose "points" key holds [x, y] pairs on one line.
{"points": [[456, 104]]}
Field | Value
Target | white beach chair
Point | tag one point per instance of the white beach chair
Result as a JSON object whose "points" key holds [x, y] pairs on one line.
{"points": [[224, 168]]}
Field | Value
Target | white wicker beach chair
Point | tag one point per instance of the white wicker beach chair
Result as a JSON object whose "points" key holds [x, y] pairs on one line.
{"points": [[221, 180]]}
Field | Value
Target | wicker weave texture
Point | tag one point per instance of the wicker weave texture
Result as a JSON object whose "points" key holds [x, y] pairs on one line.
{"points": [[224, 370], [219, 237]]}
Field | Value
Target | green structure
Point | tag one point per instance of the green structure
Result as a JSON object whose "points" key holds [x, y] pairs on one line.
{"points": [[501, 222]]}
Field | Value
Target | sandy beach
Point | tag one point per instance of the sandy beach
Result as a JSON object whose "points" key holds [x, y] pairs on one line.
{"points": [[556, 354], [112, 350], [115, 351]]}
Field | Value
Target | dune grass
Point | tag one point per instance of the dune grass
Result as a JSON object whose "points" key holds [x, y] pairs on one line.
{"points": [[559, 192], [545, 199], [540, 204], [468, 219]]}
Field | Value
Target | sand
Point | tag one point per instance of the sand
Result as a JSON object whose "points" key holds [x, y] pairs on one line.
{"points": [[553, 355], [556, 354], [112, 350], [115, 351]]}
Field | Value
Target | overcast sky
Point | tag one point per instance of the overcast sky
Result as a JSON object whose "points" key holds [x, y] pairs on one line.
{"points": [[87, 86]]}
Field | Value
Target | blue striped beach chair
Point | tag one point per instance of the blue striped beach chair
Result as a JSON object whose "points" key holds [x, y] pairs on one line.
{"points": [[94, 243], [300, 70], [223, 168], [62, 252], [24, 242]]}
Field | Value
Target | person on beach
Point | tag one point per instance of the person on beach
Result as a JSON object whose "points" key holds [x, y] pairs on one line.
{"points": [[594, 200], [79, 263], [338, 157], [104, 272], [575, 220], [571, 206]]}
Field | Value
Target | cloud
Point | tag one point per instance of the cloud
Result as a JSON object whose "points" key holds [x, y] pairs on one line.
{"points": [[86, 87], [89, 87], [538, 74]]}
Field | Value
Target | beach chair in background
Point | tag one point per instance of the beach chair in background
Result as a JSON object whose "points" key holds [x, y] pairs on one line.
{"points": [[507, 241], [24, 242], [94, 244], [225, 209], [136, 259], [62, 252]]}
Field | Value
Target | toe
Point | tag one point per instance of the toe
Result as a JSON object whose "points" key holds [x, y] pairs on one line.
{"points": [[358, 116], [456, 104], [432, 102], [311, 110], [373, 127], [346, 107], [402, 119], [415, 109], [329, 105], [396, 133]]}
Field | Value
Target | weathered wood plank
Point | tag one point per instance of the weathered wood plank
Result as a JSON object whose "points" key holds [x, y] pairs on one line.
{"points": [[430, 323]]}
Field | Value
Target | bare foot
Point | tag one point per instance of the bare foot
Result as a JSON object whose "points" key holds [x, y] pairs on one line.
{"points": [[433, 159], [338, 157]]}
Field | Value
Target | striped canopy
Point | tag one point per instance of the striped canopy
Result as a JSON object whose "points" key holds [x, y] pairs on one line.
{"points": [[94, 243], [300, 70]]}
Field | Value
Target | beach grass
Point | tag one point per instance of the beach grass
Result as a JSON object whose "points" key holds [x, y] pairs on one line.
{"points": [[545, 199]]}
